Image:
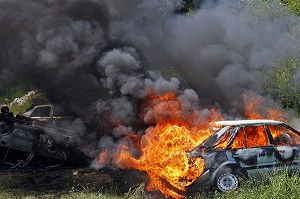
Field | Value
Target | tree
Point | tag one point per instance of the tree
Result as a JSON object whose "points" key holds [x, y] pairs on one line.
{"points": [[281, 86], [293, 5]]}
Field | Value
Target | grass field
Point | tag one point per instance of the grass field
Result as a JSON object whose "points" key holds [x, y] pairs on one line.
{"points": [[271, 186]]}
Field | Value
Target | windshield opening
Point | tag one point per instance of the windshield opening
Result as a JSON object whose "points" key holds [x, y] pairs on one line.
{"points": [[226, 139]]}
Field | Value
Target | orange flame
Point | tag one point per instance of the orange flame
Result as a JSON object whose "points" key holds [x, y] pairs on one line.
{"points": [[163, 157], [253, 106], [256, 136], [163, 147], [175, 131]]}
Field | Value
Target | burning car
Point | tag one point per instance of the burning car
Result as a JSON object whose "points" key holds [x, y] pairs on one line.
{"points": [[24, 140], [243, 148]]}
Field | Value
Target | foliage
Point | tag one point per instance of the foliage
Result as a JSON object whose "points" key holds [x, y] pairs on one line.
{"points": [[293, 5], [281, 86], [7, 95], [19, 109], [18, 101], [267, 9], [188, 6]]}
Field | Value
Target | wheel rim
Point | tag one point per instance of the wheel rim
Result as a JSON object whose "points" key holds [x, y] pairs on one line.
{"points": [[227, 182]]}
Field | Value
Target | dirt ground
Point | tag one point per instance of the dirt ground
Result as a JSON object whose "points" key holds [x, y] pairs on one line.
{"points": [[61, 181]]}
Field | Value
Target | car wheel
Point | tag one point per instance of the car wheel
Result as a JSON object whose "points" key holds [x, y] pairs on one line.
{"points": [[227, 182]]}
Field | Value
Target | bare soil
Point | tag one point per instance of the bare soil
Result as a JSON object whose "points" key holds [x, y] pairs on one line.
{"points": [[62, 181]]}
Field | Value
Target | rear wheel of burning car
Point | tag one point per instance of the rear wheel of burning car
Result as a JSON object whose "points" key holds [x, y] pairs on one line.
{"points": [[227, 180]]}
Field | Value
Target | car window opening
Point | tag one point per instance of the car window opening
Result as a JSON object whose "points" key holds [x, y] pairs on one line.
{"points": [[41, 112], [250, 136], [284, 136], [226, 140]]}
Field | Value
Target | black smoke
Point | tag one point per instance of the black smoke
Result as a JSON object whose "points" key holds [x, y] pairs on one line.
{"points": [[97, 57]]}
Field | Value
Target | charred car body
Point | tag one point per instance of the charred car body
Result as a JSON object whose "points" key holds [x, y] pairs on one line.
{"points": [[245, 148], [48, 113], [24, 140]]}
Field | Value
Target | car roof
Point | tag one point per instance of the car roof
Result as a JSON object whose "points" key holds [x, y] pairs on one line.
{"points": [[244, 122]]}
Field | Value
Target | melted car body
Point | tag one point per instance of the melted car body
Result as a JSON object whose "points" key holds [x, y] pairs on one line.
{"points": [[48, 113], [23, 139], [245, 148]]}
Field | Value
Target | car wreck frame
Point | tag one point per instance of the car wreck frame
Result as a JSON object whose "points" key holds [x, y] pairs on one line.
{"points": [[26, 142], [227, 160]]}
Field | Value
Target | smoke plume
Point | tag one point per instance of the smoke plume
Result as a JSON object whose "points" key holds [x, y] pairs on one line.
{"points": [[100, 58]]}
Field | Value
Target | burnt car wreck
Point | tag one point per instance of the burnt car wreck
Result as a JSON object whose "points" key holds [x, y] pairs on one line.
{"points": [[25, 142], [244, 148]]}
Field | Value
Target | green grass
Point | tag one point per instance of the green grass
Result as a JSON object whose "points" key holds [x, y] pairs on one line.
{"points": [[277, 186], [111, 193], [8, 189]]}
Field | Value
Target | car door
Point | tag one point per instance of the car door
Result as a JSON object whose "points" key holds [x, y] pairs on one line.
{"points": [[252, 149], [287, 145]]}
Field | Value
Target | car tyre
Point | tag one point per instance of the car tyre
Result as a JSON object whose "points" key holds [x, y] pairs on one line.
{"points": [[228, 180]]}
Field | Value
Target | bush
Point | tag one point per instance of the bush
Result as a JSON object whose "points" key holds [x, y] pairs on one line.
{"points": [[281, 86], [293, 5]]}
